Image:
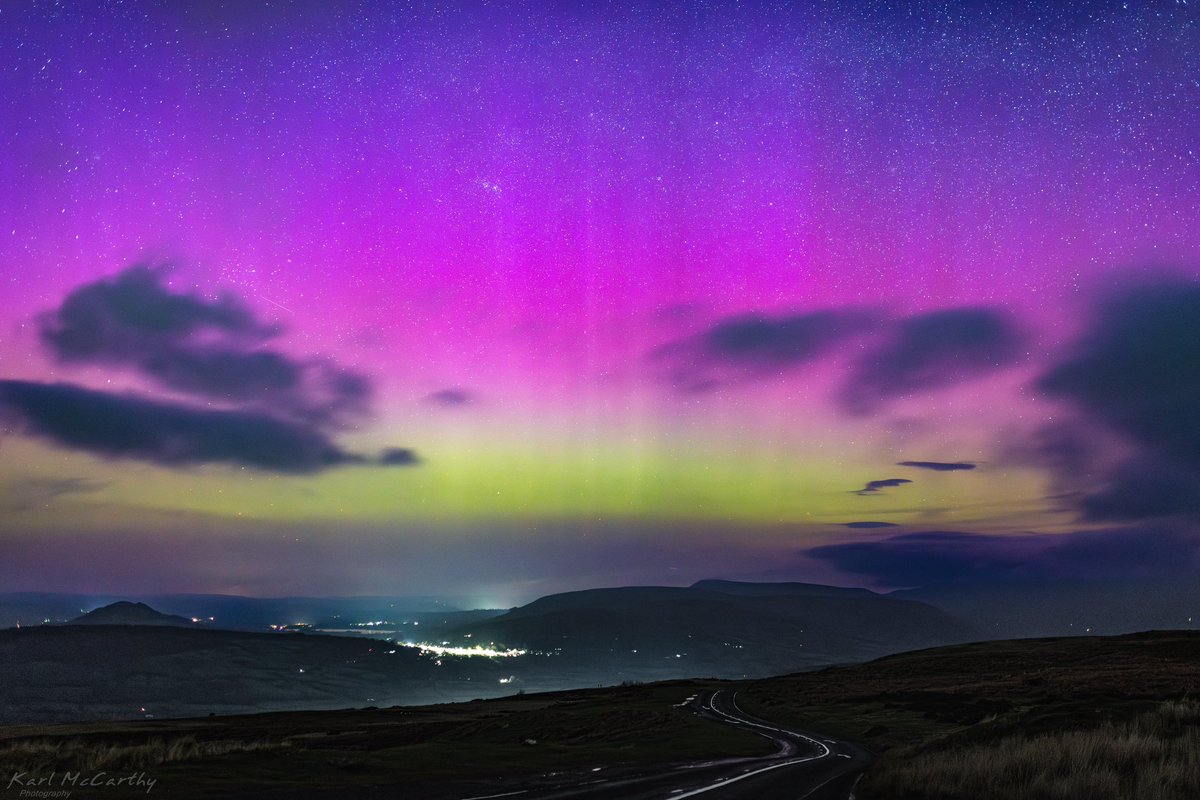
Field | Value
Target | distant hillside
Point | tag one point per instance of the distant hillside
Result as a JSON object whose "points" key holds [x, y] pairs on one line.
{"points": [[1079, 608], [54, 673], [124, 612], [233, 612], [731, 630]]}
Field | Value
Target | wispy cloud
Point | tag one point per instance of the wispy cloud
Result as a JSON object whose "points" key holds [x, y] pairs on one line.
{"points": [[939, 466], [750, 346], [32, 493], [453, 397], [931, 351], [874, 487]]}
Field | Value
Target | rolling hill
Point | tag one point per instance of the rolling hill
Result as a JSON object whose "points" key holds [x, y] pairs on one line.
{"points": [[720, 628]]}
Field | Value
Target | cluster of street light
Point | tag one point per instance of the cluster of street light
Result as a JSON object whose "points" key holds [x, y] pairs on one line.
{"points": [[446, 649]]}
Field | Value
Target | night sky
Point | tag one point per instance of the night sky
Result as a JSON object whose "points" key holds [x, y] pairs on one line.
{"points": [[500, 299]]}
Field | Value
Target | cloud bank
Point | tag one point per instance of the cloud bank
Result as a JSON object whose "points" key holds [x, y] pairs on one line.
{"points": [[208, 348], [260, 408], [915, 354], [1136, 373], [128, 426], [939, 557]]}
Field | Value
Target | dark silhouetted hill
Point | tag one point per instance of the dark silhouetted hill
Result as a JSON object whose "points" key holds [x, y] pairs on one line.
{"points": [[719, 628], [124, 612]]}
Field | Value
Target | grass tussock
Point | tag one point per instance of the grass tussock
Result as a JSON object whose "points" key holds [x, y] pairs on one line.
{"points": [[76, 754], [1154, 756]]}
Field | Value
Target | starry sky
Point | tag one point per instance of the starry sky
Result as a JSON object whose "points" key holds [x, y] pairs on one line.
{"points": [[500, 299]]}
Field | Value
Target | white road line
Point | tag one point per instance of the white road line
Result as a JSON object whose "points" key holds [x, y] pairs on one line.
{"points": [[789, 733], [725, 782], [820, 747], [819, 785], [502, 794]]}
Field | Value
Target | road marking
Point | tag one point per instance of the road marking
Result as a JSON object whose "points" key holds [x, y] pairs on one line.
{"points": [[818, 786], [808, 739], [502, 794], [724, 783], [791, 761]]}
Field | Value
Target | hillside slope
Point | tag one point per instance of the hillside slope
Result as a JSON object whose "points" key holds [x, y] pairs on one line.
{"points": [[728, 630]]}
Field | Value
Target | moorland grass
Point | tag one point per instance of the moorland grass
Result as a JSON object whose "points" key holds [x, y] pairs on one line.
{"points": [[1154, 756]]}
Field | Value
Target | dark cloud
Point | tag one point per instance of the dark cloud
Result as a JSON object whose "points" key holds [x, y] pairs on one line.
{"points": [[875, 486], [917, 559], [1135, 373], [755, 346], [921, 559], [870, 525], [1137, 369], [939, 466], [209, 348], [451, 398], [1142, 489], [931, 351], [1066, 448], [272, 411], [920, 353], [133, 313], [398, 457], [1072, 454], [773, 342], [128, 426], [313, 390]]}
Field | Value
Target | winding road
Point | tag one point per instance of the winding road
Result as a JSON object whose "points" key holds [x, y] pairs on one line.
{"points": [[805, 766]]}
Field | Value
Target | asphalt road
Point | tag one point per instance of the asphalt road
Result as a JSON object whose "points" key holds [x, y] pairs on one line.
{"points": [[806, 766]]}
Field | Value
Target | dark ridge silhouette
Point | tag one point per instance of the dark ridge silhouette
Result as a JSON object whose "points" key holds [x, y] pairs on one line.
{"points": [[124, 612], [719, 628]]}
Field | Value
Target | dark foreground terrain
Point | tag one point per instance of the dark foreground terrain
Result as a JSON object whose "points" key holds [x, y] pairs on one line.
{"points": [[1093, 718], [1067, 718]]}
